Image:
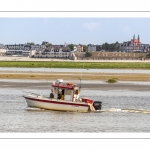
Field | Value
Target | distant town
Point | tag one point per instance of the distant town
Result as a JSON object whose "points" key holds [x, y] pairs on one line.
{"points": [[48, 50]]}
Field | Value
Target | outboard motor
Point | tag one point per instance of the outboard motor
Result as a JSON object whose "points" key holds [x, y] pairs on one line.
{"points": [[97, 105]]}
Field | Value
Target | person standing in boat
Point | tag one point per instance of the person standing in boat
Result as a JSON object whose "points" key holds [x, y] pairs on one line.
{"points": [[63, 92], [59, 94], [51, 94]]}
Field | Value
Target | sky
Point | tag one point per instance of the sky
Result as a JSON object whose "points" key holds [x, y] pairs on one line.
{"points": [[64, 22], [73, 30]]}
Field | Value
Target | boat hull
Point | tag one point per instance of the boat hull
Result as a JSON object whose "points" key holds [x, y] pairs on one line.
{"points": [[53, 104]]}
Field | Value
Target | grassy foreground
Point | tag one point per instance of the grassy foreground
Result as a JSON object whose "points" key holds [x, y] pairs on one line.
{"points": [[86, 65]]}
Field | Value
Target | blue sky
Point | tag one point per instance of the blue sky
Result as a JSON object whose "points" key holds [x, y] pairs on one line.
{"points": [[73, 30]]}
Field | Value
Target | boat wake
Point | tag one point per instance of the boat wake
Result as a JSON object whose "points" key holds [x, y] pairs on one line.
{"points": [[32, 108], [132, 110]]}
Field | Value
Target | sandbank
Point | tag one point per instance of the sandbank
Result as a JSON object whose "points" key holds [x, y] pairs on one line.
{"points": [[18, 58]]}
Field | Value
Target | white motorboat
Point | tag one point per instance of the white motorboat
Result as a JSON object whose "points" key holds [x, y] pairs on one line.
{"points": [[63, 97]]}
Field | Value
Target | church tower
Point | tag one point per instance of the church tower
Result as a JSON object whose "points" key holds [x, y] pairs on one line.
{"points": [[138, 39]]}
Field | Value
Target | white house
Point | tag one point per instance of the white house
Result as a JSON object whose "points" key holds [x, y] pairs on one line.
{"points": [[91, 48], [2, 50], [54, 51], [78, 48]]}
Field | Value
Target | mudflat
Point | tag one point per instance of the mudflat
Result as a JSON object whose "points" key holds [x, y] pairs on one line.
{"points": [[24, 80], [74, 76], [28, 84], [97, 81], [17, 58]]}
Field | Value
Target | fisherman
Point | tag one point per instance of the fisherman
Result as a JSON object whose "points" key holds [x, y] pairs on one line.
{"points": [[76, 92], [59, 94], [51, 94], [63, 92]]}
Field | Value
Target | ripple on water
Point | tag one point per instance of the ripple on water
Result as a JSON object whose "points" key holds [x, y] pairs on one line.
{"points": [[121, 111]]}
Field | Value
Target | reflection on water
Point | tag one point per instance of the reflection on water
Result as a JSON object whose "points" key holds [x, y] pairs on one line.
{"points": [[122, 111]]}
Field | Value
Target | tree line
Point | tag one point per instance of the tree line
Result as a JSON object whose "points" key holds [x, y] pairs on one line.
{"points": [[105, 46], [111, 47]]}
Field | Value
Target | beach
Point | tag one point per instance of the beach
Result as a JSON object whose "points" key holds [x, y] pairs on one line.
{"points": [[104, 86], [17, 58], [8, 77]]}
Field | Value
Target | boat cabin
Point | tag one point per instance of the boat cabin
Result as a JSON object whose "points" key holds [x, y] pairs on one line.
{"points": [[65, 91]]}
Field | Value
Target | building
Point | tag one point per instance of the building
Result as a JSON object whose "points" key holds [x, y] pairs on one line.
{"points": [[22, 49], [98, 48], [94, 48], [2, 49], [91, 48], [134, 45], [37, 47], [78, 48], [18, 49], [54, 51]]}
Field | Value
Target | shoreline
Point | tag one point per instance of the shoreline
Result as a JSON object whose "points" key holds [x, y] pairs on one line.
{"points": [[92, 76], [18, 58], [74, 76], [103, 86]]}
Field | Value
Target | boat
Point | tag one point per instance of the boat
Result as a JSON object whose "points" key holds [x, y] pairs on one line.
{"points": [[63, 97]]}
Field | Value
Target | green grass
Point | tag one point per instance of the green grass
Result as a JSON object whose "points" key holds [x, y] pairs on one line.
{"points": [[87, 65]]}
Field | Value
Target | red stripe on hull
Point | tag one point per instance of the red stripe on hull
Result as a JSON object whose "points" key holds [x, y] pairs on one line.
{"points": [[56, 102]]}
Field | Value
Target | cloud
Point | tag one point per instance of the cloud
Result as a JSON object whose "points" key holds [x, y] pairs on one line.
{"points": [[91, 26], [126, 29]]}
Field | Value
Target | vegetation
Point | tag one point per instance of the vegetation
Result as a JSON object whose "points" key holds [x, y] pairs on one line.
{"points": [[32, 43], [148, 55], [48, 45], [111, 47], [71, 64], [112, 80], [88, 54], [85, 48], [71, 46]]}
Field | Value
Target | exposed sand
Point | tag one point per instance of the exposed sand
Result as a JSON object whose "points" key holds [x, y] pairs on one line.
{"points": [[98, 81], [26, 84], [26, 76], [74, 76], [15, 58]]}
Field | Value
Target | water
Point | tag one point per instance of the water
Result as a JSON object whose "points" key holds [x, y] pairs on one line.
{"points": [[122, 111]]}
